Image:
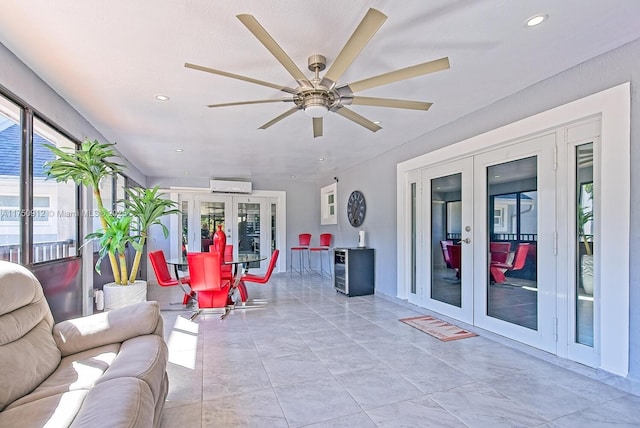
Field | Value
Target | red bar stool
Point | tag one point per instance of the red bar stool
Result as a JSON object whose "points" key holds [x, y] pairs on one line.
{"points": [[325, 246], [304, 240]]}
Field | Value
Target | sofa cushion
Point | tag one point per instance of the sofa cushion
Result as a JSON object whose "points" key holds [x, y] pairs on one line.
{"points": [[75, 372], [53, 411], [28, 353], [143, 357], [115, 326], [123, 402]]}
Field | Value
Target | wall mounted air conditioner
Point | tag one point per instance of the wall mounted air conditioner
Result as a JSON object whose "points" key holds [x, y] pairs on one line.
{"points": [[228, 186]]}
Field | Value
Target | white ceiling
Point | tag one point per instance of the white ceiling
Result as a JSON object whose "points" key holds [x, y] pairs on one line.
{"points": [[110, 58]]}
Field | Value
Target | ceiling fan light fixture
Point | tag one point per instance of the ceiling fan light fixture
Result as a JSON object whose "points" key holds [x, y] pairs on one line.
{"points": [[315, 105], [316, 110]]}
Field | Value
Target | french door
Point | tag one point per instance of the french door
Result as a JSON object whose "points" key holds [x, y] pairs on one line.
{"points": [[485, 241], [249, 223], [516, 292]]}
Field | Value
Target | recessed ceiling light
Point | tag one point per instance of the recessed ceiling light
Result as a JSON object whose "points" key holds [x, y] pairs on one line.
{"points": [[536, 20], [186, 173], [321, 159], [179, 150], [161, 97], [292, 176]]}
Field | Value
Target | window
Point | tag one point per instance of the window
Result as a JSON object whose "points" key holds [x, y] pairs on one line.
{"points": [[55, 214], [37, 214], [11, 146], [328, 205], [514, 216], [498, 217]]}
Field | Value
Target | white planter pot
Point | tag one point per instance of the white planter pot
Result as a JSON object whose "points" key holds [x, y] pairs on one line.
{"points": [[586, 274], [116, 296]]}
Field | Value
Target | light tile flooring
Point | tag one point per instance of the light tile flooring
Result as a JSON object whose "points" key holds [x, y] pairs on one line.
{"points": [[314, 358]]}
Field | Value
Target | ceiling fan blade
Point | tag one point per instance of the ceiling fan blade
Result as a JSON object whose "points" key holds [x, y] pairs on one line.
{"points": [[279, 118], [239, 77], [389, 102], [317, 127], [261, 34], [369, 25], [360, 120], [402, 74], [240, 103]]}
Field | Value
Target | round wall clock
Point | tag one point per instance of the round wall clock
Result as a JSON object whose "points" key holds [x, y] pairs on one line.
{"points": [[356, 208]]}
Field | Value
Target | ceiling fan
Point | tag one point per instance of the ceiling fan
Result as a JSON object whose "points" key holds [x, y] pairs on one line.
{"points": [[317, 96]]}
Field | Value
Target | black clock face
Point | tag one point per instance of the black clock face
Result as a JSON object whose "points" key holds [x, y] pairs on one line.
{"points": [[356, 208]]}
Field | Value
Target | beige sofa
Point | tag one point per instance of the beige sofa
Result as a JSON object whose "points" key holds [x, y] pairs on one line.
{"points": [[104, 370]]}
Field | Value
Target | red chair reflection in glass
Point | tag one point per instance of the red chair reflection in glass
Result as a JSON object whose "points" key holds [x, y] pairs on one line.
{"points": [[247, 277], [204, 270], [304, 241], [455, 258], [445, 253], [160, 268], [325, 246], [498, 269]]}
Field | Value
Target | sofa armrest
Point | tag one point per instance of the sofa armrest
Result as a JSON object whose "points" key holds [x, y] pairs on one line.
{"points": [[115, 326]]}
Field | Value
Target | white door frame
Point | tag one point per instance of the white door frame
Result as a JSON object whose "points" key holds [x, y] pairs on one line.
{"points": [[613, 107], [464, 167], [267, 196], [542, 147]]}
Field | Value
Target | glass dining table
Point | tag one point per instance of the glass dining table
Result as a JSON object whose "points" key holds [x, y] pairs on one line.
{"points": [[239, 262]]}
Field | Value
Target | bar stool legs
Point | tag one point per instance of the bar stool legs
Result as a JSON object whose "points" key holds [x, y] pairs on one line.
{"points": [[304, 240], [325, 244], [322, 271], [302, 267]]}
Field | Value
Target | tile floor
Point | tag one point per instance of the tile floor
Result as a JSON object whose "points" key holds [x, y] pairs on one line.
{"points": [[314, 358]]}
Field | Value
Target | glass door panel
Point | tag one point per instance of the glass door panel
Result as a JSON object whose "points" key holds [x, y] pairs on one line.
{"points": [[585, 245], [446, 233], [249, 236], [208, 213], [212, 215], [512, 291], [414, 269], [515, 243], [447, 242]]}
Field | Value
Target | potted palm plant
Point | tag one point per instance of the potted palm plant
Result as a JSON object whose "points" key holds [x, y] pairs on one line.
{"points": [[143, 208]]}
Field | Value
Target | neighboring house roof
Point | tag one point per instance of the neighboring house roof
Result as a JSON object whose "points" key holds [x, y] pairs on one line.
{"points": [[10, 141]]}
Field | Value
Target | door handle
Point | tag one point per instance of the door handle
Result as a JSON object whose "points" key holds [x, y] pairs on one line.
{"points": [[467, 240]]}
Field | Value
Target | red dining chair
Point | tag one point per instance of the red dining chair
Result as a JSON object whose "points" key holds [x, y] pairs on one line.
{"points": [[161, 269], [304, 240], [242, 288], [499, 251], [498, 269], [204, 270], [325, 244], [225, 270]]}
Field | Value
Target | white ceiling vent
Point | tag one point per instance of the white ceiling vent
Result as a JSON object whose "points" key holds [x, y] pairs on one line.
{"points": [[228, 186]]}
